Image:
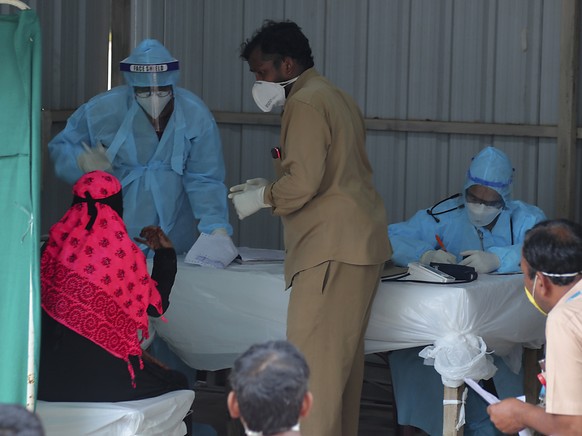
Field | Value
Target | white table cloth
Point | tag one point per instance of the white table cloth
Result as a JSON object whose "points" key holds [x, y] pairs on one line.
{"points": [[215, 315], [157, 416]]}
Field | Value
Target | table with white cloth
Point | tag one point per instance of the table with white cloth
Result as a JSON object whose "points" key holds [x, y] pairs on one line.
{"points": [[157, 416], [215, 315]]}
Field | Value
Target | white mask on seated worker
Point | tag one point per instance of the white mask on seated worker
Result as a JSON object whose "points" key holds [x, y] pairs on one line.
{"points": [[268, 95], [482, 215]]}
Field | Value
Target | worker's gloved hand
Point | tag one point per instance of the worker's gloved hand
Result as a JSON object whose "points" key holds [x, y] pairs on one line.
{"points": [[248, 197], [249, 184], [482, 261], [94, 159], [438, 256], [220, 231]]}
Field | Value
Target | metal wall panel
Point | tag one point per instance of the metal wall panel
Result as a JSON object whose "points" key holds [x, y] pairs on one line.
{"points": [[487, 61], [75, 49]]}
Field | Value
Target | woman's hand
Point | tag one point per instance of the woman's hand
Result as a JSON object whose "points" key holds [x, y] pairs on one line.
{"points": [[154, 237]]}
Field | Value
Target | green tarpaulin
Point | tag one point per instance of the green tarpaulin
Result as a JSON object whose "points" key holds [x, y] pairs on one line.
{"points": [[20, 74]]}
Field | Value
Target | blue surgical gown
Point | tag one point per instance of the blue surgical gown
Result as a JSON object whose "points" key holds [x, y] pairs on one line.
{"points": [[410, 239], [170, 182]]}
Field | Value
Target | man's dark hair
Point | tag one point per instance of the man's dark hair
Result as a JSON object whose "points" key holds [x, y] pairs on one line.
{"points": [[555, 247], [278, 40], [270, 382]]}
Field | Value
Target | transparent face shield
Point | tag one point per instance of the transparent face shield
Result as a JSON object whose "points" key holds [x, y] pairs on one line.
{"points": [[151, 89]]}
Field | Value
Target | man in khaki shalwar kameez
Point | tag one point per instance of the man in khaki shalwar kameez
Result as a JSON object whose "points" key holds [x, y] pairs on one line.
{"points": [[334, 220]]}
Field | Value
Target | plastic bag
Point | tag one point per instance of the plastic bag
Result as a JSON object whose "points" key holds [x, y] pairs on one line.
{"points": [[456, 357]]}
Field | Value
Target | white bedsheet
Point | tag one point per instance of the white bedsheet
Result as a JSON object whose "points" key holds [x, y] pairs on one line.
{"points": [[215, 315], [160, 416]]}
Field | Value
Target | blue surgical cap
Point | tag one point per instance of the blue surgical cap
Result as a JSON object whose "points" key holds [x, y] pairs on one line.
{"points": [[150, 64], [492, 168]]}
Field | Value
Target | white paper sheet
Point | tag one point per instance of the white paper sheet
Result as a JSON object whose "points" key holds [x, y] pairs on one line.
{"points": [[216, 251], [492, 399]]}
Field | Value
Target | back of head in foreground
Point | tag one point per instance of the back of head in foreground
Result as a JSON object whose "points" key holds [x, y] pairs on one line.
{"points": [[269, 389], [554, 248]]}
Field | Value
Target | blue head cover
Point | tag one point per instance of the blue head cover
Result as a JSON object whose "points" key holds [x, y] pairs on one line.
{"points": [[150, 64], [492, 168]]}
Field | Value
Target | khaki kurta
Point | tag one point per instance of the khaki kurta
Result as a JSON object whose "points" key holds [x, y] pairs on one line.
{"points": [[325, 196]]}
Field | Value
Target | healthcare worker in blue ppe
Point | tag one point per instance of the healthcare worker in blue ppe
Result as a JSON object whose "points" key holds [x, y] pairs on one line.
{"points": [[481, 227], [161, 141]]}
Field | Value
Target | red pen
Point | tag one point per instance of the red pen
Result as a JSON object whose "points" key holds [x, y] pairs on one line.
{"points": [[440, 242], [276, 153]]}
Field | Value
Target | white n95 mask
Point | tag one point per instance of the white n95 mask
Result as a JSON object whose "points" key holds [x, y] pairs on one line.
{"points": [[268, 95], [154, 104], [481, 215]]}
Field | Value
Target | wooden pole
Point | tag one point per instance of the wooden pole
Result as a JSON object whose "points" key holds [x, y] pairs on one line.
{"points": [[567, 110]]}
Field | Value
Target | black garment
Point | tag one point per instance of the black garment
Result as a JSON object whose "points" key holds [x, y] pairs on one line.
{"points": [[73, 368]]}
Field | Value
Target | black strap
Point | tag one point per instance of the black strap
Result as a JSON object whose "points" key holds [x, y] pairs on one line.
{"points": [[115, 202]]}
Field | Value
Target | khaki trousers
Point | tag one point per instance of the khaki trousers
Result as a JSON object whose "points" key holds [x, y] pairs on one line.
{"points": [[329, 309]]}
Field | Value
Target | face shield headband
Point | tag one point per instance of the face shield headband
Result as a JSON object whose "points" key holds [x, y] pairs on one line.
{"points": [[480, 181], [149, 68]]}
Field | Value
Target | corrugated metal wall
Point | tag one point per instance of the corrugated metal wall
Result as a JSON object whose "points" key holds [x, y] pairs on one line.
{"points": [[488, 61]]}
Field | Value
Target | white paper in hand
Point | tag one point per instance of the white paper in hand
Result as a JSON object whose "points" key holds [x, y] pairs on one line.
{"points": [[492, 399], [216, 251]]}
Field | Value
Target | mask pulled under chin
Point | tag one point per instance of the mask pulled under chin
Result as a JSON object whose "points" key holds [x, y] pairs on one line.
{"points": [[481, 215], [532, 299], [154, 105], [269, 95]]}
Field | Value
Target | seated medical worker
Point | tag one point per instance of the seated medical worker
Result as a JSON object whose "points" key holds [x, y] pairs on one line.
{"points": [[481, 227], [161, 141]]}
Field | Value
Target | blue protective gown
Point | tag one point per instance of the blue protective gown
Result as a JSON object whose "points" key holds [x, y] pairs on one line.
{"points": [[168, 182], [491, 168], [417, 387], [411, 239]]}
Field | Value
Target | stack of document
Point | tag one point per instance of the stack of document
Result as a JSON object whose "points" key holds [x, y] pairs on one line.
{"points": [[248, 255], [216, 251]]}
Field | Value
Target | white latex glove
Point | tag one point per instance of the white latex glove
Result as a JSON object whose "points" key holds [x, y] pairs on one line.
{"points": [[438, 256], [94, 159], [248, 197], [220, 231], [482, 261], [249, 184], [248, 202]]}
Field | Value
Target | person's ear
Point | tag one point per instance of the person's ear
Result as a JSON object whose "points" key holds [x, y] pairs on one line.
{"points": [[306, 405], [232, 404], [545, 285], [289, 66]]}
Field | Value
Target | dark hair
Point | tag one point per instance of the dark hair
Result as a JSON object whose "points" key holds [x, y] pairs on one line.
{"points": [[270, 382], [278, 40], [554, 246], [16, 420]]}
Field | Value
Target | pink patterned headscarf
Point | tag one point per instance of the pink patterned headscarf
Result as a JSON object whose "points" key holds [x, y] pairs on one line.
{"points": [[94, 279]]}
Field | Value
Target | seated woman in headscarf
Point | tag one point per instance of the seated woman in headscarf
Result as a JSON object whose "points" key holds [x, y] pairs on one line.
{"points": [[96, 294]]}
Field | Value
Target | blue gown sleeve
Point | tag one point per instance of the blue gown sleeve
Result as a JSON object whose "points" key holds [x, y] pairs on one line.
{"points": [[524, 217], [65, 148], [204, 178], [411, 239]]}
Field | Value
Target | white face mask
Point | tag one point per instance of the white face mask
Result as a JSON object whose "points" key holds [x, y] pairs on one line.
{"points": [[481, 215], [154, 104], [268, 95]]}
